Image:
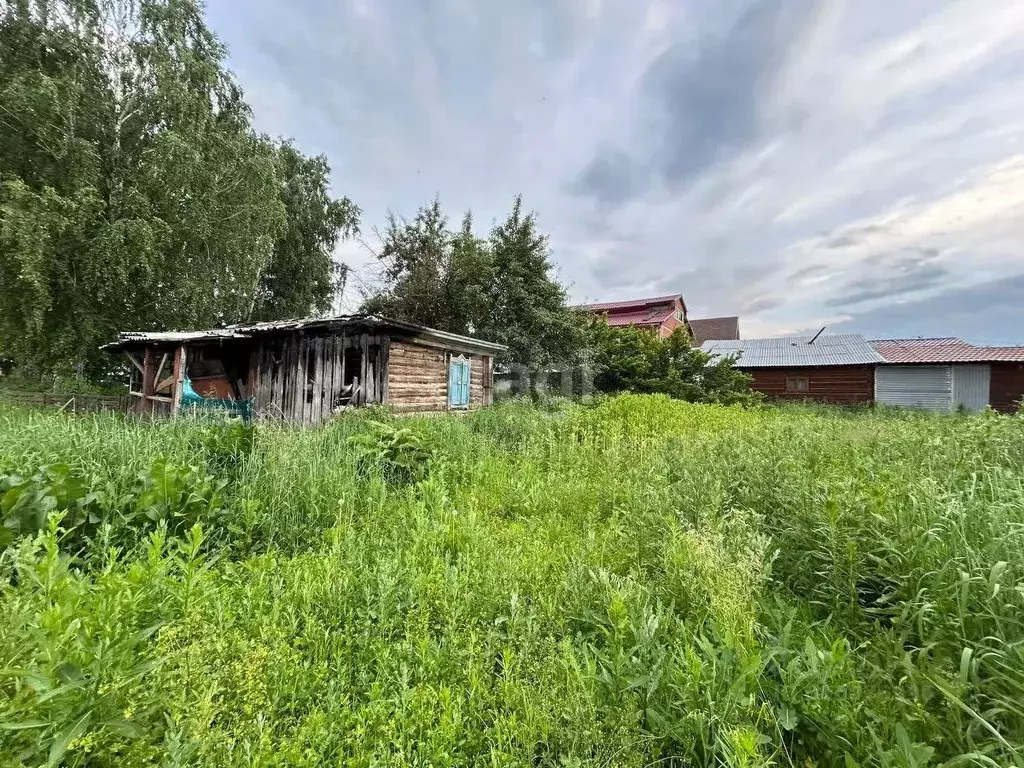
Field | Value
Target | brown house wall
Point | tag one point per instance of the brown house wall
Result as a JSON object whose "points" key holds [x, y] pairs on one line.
{"points": [[1006, 386], [833, 384], [418, 378]]}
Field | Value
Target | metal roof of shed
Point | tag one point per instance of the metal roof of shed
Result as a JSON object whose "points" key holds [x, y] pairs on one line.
{"points": [[797, 351], [251, 330], [943, 350]]}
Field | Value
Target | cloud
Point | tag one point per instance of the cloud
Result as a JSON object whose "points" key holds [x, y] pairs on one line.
{"points": [[701, 99], [907, 280], [989, 313], [611, 177], [801, 162]]}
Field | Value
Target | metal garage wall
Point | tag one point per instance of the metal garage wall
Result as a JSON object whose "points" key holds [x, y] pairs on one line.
{"points": [[971, 385], [915, 386]]}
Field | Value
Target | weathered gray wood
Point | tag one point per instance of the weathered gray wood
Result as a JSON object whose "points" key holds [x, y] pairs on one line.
{"points": [[284, 356], [304, 349], [135, 362], [366, 377], [264, 382], [331, 367], [298, 398], [384, 358], [252, 386], [180, 363], [165, 384], [315, 414], [160, 369], [342, 346]]}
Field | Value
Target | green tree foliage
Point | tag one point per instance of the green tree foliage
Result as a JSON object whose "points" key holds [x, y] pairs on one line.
{"points": [[501, 288], [133, 191], [630, 359], [527, 306], [431, 274], [302, 275]]}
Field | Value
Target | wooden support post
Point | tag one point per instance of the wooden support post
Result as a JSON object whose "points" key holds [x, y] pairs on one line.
{"points": [[364, 369], [315, 413], [148, 381], [383, 361], [180, 361]]}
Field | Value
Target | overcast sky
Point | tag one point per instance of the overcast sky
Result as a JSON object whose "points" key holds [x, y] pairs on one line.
{"points": [[857, 164]]}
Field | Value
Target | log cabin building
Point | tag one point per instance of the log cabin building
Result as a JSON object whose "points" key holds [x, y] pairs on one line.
{"points": [[303, 371]]}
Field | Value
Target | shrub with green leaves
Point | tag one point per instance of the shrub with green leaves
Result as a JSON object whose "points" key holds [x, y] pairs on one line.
{"points": [[638, 581]]}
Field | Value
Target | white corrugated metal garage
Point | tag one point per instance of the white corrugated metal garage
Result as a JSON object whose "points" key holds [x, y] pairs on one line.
{"points": [[971, 386], [915, 386]]}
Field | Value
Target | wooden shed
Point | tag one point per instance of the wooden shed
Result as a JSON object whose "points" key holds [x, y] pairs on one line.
{"points": [[302, 371], [836, 368]]}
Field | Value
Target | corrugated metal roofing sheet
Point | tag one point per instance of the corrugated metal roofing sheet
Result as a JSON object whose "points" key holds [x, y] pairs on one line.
{"points": [[638, 318], [797, 351], [248, 330], [217, 333], [637, 304], [943, 350]]}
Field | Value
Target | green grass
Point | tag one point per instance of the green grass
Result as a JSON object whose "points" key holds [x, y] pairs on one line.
{"points": [[631, 583]]}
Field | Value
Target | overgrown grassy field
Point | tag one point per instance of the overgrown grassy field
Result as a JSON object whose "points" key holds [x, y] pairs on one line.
{"points": [[637, 582]]}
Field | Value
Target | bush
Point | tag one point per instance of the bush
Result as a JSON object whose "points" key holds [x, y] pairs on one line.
{"points": [[631, 359]]}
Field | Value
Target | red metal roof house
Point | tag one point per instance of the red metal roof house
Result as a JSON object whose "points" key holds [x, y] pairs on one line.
{"points": [[661, 314]]}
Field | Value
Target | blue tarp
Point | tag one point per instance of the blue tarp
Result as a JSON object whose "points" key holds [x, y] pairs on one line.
{"points": [[192, 400]]}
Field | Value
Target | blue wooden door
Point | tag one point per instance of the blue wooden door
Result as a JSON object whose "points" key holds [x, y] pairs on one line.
{"points": [[458, 383]]}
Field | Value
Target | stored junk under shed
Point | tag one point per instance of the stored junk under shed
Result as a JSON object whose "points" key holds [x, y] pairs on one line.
{"points": [[302, 371]]}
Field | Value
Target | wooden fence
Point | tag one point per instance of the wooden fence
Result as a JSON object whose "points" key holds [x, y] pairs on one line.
{"points": [[71, 403]]}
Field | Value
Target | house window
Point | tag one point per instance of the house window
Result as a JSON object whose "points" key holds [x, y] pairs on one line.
{"points": [[798, 384], [458, 382]]}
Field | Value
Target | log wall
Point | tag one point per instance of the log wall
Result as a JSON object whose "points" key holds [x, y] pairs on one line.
{"points": [[417, 377]]}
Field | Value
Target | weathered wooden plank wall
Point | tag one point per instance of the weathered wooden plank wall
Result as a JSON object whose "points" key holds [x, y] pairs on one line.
{"points": [[1006, 386], [300, 378], [417, 377], [838, 384]]}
